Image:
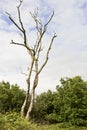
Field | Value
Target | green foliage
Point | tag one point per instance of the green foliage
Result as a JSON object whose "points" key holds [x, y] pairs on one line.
{"points": [[3, 125], [11, 97], [72, 96], [4, 96], [43, 106], [52, 118], [67, 104], [18, 97], [13, 121]]}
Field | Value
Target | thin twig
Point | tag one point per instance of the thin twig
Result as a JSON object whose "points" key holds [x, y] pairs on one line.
{"points": [[23, 72]]}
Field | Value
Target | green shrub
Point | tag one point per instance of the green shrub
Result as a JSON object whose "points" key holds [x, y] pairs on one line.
{"points": [[13, 121], [54, 118], [3, 123]]}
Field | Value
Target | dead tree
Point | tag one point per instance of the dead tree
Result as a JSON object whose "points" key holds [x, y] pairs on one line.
{"points": [[34, 53]]}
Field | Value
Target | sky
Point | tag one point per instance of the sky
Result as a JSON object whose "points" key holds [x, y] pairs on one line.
{"points": [[68, 56]]}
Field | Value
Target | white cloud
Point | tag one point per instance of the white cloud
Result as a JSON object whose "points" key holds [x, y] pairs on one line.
{"points": [[69, 53]]}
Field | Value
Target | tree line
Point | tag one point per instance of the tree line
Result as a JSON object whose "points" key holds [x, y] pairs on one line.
{"points": [[67, 104]]}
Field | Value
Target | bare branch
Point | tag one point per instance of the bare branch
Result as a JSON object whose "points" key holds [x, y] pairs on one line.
{"points": [[30, 50], [47, 54], [14, 22], [20, 3], [22, 26], [12, 42], [42, 33], [37, 20], [23, 72], [49, 20]]}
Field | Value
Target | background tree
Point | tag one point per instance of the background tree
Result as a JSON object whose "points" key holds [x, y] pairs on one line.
{"points": [[11, 97], [4, 97], [43, 106], [68, 104], [34, 53], [71, 101]]}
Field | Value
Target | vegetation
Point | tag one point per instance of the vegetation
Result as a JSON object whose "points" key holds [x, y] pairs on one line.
{"points": [[67, 104], [12, 121], [11, 97], [66, 107]]}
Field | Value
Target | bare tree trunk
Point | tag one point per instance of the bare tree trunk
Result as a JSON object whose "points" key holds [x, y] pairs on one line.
{"points": [[31, 105], [28, 88], [23, 106], [35, 83]]}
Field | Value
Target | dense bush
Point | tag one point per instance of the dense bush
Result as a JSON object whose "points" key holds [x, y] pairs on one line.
{"points": [[43, 106], [74, 101], [67, 104], [11, 97], [13, 121]]}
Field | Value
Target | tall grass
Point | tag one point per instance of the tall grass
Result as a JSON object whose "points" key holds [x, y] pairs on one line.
{"points": [[57, 127], [12, 121]]}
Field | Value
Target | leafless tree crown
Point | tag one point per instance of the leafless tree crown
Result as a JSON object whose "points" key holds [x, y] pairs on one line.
{"points": [[34, 53]]}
